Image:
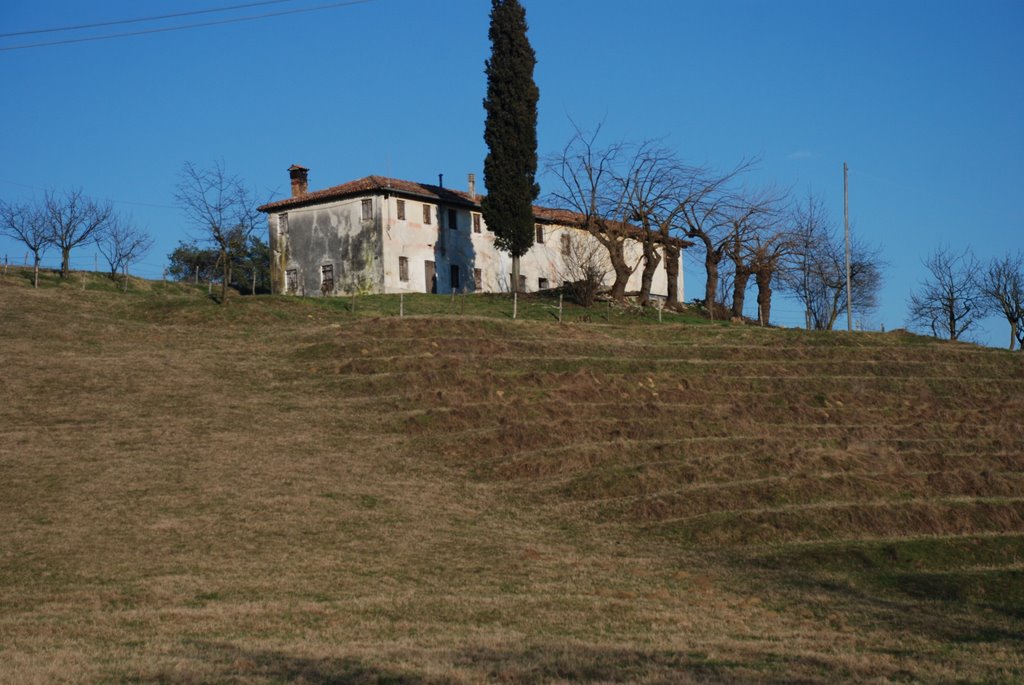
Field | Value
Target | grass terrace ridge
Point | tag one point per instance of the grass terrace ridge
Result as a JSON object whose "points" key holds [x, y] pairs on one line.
{"points": [[284, 490]]}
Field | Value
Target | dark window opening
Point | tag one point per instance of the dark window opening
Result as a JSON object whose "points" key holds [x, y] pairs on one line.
{"points": [[401, 210], [291, 280], [403, 268], [478, 279], [522, 283], [453, 219], [327, 278], [367, 210], [282, 223], [476, 222], [566, 244], [542, 284], [426, 214], [540, 233], [455, 277]]}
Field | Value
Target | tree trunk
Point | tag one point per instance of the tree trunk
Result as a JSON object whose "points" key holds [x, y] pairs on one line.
{"points": [[65, 262], [515, 274], [711, 285], [224, 280], [672, 274], [35, 276], [739, 291], [1013, 334], [651, 261], [617, 254], [764, 296]]}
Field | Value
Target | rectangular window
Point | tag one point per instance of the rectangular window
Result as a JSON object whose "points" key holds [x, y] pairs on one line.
{"points": [[291, 281], [522, 283], [282, 223], [542, 284], [478, 280], [401, 210], [455, 277], [453, 219], [540, 233], [403, 269], [566, 244], [327, 278], [367, 209], [426, 214], [476, 222]]}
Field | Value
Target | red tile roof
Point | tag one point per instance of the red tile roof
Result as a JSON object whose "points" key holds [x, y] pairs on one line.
{"points": [[372, 184]]}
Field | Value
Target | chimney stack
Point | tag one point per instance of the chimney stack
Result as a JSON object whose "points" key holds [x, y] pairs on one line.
{"points": [[300, 179], [472, 186]]}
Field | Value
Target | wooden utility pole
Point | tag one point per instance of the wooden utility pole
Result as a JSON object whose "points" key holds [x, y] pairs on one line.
{"points": [[846, 225]]}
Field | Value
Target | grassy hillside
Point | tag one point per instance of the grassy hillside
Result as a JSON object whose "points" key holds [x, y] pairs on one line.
{"points": [[283, 490]]}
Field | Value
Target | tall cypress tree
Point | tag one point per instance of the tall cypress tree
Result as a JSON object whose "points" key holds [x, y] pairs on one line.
{"points": [[510, 133]]}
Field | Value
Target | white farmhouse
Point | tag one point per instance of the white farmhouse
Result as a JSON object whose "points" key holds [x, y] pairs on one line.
{"points": [[386, 235]]}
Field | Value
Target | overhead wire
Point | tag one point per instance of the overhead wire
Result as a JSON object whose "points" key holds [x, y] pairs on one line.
{"points": [[183, 27], [117, 22]]}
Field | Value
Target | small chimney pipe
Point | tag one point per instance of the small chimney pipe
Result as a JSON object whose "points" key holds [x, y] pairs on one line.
{"points": [[440, 180], [472, 186]]}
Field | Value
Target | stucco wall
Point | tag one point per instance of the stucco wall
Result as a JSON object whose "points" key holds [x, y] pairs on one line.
{"points": [[330, 234]]}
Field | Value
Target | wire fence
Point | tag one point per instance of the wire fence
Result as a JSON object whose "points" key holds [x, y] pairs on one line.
{"points": [[786, 312]]}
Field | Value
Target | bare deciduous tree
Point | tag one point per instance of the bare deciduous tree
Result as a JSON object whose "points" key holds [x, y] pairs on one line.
{"points": [[705, 202], [591, 186], [584, 267], [220, 206], [651, 181], [74, 219], [122, 244], [756, 243], [816, 270], [949, 301], [27, 224], [1002, 285]]}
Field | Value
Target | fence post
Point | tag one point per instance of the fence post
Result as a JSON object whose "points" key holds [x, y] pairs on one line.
{"points": [[559, 307], [401, 305], [515, 304], [660, 310]]}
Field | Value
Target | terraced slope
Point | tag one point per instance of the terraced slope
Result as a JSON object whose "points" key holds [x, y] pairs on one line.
{"points": [[283, 491]]}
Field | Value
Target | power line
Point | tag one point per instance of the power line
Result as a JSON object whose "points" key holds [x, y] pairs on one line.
{"points": [[141, 19], [254, 17], [108, 199]]}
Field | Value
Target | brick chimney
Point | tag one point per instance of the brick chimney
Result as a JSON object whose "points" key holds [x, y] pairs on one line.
{"points": [[300, 179], [472, 186]]}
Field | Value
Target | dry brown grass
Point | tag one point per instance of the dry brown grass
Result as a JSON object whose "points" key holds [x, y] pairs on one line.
{"points": [[280, 492]]}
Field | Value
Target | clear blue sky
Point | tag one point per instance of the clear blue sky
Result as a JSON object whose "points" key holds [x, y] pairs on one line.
{"points": [[923, 99]]}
